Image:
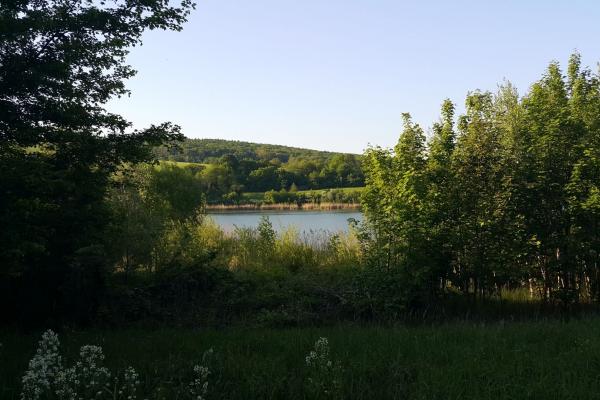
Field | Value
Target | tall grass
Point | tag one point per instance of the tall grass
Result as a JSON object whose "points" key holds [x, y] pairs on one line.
{"points": [[257, 249], [532, 360]]}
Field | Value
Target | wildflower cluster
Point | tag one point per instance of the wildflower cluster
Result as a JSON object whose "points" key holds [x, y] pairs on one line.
{"points": [[88, 379], [324, 374], [42, 376], [131, 381], [198, 388]]}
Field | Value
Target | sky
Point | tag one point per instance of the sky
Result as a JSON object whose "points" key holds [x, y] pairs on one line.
{"points": [[337, 74]]}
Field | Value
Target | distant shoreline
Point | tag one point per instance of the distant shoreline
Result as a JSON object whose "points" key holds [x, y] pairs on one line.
{"points": [[283, 206]]}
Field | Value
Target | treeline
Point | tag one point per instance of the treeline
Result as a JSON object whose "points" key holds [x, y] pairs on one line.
{"points": [[229, 168], [219, 186], [505, 196], [340, 196]]}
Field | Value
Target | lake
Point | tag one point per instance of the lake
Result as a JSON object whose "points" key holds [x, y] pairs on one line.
{"points": [[305, 221]]}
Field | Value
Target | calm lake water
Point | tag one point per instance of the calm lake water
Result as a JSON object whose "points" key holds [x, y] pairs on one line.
{"points": [[304, 221]]}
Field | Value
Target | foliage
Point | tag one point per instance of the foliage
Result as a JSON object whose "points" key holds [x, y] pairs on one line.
{"points": [[159, 225], [228, 168], [502, 199], [60, 62], [506, 201], [211, 150]]}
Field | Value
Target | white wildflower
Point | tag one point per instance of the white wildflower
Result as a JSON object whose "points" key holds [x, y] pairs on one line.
{"points": [[324, 374], [198, 388], [43, 369], [131, 381], [88, 379]]}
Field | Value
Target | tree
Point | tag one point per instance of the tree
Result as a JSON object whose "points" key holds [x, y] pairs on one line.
{"points": [[217, 180], [441, 196], [481, 236], [178, 188], [552, 141], [263, 179], [139, 219], [60, 62], [392, 199]]}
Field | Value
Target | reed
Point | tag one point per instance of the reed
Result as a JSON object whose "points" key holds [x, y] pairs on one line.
{"points": [[283, 206]]}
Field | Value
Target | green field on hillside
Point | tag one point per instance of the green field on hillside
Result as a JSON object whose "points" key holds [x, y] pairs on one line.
{"points": [[182, 164]]}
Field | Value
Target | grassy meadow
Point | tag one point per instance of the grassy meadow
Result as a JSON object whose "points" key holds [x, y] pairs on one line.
{"points": [[180, 164], [460, 360]]}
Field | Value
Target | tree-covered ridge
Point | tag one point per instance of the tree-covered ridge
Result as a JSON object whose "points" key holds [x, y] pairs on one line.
{"points": [[211, 150], [226, 169]]}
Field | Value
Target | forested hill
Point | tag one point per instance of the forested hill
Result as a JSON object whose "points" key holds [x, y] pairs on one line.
{"points": [[227, 169], [211, 150]]}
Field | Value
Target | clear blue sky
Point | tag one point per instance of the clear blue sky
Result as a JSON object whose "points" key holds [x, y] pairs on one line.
{"points": [[337, 74]]}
